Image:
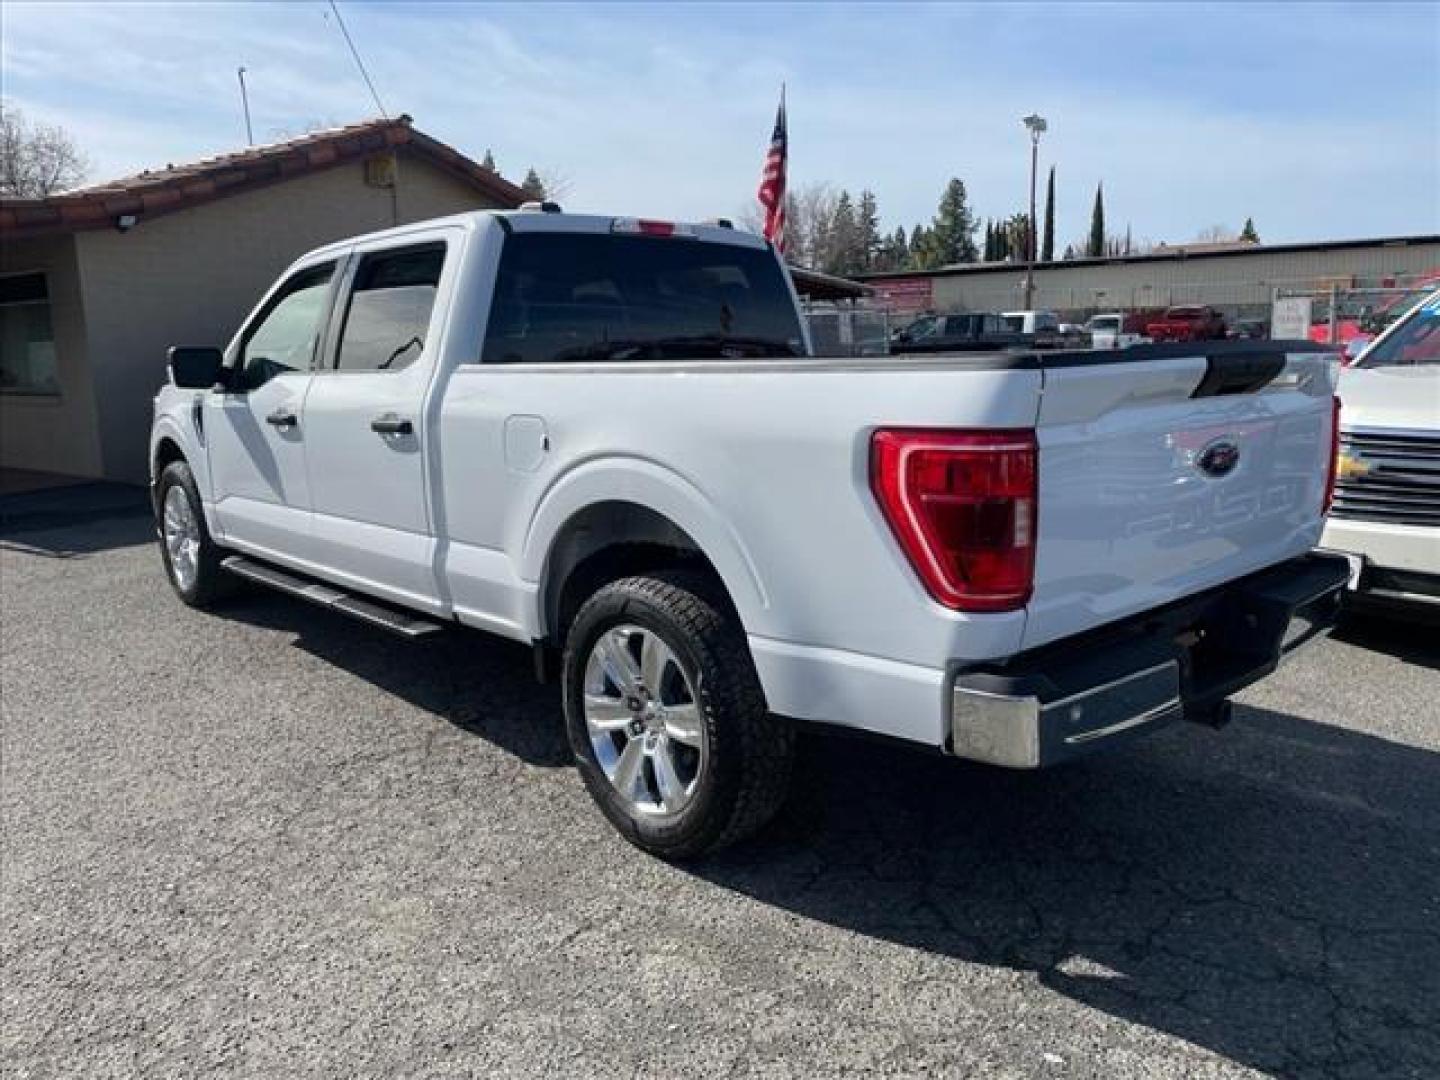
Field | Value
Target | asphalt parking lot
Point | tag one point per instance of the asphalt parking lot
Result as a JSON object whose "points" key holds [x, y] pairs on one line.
{"points": [[274, 842]]}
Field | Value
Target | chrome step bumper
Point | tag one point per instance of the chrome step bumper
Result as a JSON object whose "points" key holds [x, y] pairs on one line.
{"points": [[1183, 660]]}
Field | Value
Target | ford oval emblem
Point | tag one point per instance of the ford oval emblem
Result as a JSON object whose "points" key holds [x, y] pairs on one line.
{"points": [[1219, 458]]}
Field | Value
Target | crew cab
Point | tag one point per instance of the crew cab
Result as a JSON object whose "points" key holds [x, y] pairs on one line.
{"points": [[1188, 322], [607, 438]]}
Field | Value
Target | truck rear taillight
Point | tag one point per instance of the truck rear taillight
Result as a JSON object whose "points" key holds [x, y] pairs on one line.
{"points": [[1334, 468], [962, 506]]}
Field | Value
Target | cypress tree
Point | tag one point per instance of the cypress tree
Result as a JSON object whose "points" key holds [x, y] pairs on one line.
{"points": [[1096, 247], [1249, 233], [1047, 242], [533, 186]]}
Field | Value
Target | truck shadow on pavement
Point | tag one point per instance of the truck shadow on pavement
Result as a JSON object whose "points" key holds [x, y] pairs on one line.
{"points": [[1271, 893], [481, 684]]}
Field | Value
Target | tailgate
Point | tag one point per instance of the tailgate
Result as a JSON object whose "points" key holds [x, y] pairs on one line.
{"points": [[1167, 474]]}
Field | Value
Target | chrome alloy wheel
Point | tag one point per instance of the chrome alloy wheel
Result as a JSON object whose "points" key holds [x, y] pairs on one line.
{"points": [[644, 721], [182, 537]]}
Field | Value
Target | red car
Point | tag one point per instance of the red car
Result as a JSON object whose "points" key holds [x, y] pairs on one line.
{"points": [[1188, 322]]}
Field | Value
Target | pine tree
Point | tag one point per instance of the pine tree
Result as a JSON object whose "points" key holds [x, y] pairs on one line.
{"points": [[1248, 233], [1047, 242], [897, 250], [1069, 253], [1096, 246], [844, 249], [953, 230], [489, 162], [533, 186], [926, 250], [867, 223]]}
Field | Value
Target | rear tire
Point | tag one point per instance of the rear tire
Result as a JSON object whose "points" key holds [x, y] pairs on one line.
{"points": [[191, 557], [695, 761]]}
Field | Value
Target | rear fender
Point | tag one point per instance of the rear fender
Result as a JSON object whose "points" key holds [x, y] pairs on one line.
{"points": [[663, 491]]}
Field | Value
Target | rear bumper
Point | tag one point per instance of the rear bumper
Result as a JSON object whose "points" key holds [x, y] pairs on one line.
{"points": [[1183, 660]]}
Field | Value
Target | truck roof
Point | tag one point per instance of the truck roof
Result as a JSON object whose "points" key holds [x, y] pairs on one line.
{"points": [[538, 220]]}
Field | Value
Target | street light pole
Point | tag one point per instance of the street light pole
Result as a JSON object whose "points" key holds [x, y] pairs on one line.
{"points": [[1035, 124], [245, 102]]}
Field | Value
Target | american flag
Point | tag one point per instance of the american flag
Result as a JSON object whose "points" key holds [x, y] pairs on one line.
{"points": [[772, 180]]}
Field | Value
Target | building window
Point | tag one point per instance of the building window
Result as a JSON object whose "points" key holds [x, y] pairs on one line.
{"points": [[27, 342]]}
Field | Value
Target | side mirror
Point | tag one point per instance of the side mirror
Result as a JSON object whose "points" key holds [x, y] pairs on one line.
{"points": [[195, 367]]}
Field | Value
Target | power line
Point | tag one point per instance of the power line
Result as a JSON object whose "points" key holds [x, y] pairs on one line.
{"points": [[358, 62]]}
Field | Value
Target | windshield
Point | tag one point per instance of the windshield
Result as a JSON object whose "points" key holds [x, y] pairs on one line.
{"points": [[1014, 323], [1105, 322], [576, 297], [1415, 341]]}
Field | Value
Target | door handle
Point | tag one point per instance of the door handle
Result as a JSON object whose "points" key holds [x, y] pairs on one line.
{"points": [[282, 418], [390, 424]]}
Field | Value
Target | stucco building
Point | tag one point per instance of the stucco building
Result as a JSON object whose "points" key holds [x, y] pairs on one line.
{"points": [[95, 284]]}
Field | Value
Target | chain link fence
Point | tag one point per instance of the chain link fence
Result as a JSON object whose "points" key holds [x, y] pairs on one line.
{"points": [[847, 329]]}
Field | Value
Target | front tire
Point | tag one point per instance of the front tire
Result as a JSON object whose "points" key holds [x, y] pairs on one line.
{"points": [[191, 557], [667, 719]]}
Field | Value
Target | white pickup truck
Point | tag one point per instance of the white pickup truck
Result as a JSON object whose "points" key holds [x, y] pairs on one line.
{"points": [[608, 438]]}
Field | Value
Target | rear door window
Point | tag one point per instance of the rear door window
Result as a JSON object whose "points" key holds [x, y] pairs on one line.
{"points": [[585, 298], [389, 309]]}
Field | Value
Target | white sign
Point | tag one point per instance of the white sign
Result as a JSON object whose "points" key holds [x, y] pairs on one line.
{"points": [[1290, 319]]}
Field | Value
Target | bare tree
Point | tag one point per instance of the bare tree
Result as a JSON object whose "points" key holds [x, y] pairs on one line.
{"points": [[37, 159], [1215, 234], [809, 223], [558, 185]]}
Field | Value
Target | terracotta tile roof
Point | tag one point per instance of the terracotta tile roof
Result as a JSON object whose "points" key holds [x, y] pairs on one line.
{"points": [[178, 187]]}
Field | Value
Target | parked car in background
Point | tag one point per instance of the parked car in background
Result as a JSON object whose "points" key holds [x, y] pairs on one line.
{"points": [[1188, 322], [1044, 330], [1250, 330], [1116, 330], [1031, 322], [964, 330], [1386, 514], [609, 439]]}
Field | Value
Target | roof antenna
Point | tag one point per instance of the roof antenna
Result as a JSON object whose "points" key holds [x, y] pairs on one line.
{"points": [[358, 62], [245, 101]]}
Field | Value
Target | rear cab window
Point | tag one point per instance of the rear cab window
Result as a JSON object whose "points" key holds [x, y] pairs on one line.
{"points": [[597, 297]]}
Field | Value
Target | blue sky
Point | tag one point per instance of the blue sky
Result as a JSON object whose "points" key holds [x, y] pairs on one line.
{"points": [[1320, 121]]}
